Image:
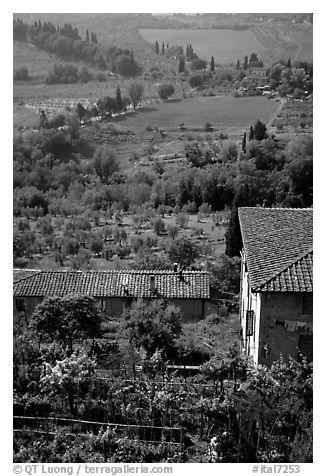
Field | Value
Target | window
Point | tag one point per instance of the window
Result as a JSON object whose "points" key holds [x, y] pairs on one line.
{"points": [[250, 323], [279, 323], [307, 303], [20, 304]]}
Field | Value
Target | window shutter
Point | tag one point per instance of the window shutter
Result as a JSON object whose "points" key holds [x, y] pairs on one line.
{"points": [[250, 323]]}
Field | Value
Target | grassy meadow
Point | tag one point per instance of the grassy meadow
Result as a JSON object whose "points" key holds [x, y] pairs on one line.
{"points": [[225, 45], [224, 113], [271, 41]]}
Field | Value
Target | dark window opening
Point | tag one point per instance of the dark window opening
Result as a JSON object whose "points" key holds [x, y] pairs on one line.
{"points": [[307, 303], [279, 323], [20, 304]]}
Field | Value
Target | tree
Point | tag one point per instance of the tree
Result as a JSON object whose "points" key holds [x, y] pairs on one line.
{"points": [[300, 174], [156, 47], [73, 124], [84, 75], [105, 163], [289, 63], [119, 235], [212, 64], [165, 91], [135, 92], [153, 326], [259, 130], [183, 251], [66, 320], [182, 64], [182, 219], [158, 225], [195, 81], [208, 127], [204, 210], [81, 111], [70, 245], [68, 377], [87, 35], [244, 141], [119, 99], [96, 245], [238, 65], [44, 123], [173, 231], [197, 64], [251, 133], [253, 59], [233, 236], [162, 49], [126, 65], [229, 151], [245, 63], [22, 74]]}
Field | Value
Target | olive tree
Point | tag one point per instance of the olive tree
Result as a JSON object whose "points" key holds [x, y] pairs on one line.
{"points": [[135, 91]]}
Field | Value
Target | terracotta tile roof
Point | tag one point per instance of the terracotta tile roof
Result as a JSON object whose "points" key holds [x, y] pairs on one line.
{"points": [[23, 273], [278, 248], [195, 284]]}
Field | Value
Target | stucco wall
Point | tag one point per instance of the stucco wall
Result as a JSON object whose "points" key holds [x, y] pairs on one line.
{"points": [[249, 301], [192, 309], [282, 307], [269, 308]]}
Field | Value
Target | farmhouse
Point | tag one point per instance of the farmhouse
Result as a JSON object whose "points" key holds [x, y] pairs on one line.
{"points": [[258, 73], [276, 297], [114, 290]]}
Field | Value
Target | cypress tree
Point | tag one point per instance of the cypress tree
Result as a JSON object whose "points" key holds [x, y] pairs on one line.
{"points": [[157, 48], [259, 130], [251, 133], [119, 99], [162, 47], [87, 35], [244, 141], [191, 52], [233, 236], [245, 63], [212, 64], [181, 65], [238, 64], [289, 63]]}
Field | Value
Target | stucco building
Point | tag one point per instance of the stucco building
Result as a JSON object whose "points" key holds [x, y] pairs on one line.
{"points": [[114, 290], [276, 299]]}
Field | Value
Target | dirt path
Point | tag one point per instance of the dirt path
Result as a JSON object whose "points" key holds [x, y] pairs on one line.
{"points": [[276, 113]]}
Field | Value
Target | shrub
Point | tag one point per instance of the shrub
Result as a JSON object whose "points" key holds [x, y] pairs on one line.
{"points": [[197, 64], [196, 81], [165, 90], [208, 127], [21, 74], [126, 66], [182, 220], [183, 251], [158, 225]]}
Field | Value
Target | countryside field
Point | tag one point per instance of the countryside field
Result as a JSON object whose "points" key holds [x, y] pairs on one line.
{"points": [[224, 113], [39, 62], [225, 45], [272, 42]]}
